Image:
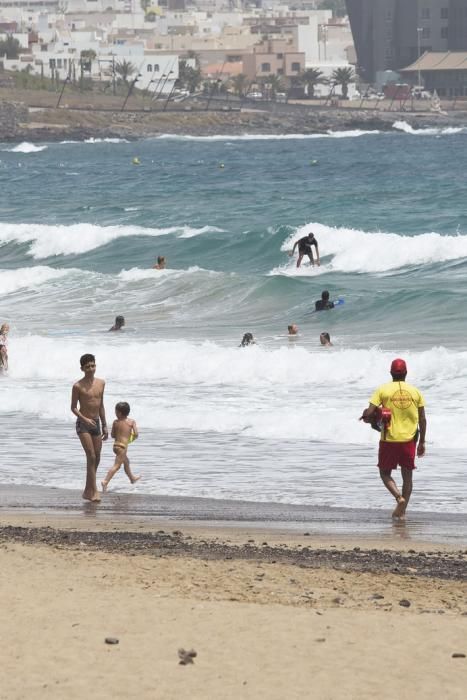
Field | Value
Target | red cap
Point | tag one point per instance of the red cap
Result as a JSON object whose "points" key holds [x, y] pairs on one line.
{"points": [[398, 366]]}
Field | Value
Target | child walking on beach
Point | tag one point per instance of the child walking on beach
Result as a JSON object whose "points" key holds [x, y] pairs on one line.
{"points": [[124, 431]]}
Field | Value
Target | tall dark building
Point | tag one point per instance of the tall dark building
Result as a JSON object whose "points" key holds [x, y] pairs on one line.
{"points": [[457, 30], [391, 34]]}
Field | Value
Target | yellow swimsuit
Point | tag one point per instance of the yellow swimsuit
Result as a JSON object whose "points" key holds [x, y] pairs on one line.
{"points": [[125, 444], [121, 444]]}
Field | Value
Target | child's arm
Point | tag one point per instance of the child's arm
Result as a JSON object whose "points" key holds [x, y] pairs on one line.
{"points": [[134, 428], [112, 434]]}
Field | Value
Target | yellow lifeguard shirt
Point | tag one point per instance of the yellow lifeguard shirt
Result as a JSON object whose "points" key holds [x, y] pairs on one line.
{"points": [[403, 400]]}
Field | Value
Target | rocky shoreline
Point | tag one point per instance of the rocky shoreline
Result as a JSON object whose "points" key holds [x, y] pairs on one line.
{"points": [[447, 565], [18, 122]]}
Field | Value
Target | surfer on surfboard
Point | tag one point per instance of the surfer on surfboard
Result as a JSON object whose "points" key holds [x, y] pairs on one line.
{"points": [[305, 248]]}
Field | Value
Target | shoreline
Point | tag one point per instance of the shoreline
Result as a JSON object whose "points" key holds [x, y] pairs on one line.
{"points": [[357, 525], [36, 119]]}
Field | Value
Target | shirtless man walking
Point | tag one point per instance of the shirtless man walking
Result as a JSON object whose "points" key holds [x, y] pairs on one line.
{"points": [[88, 392]]}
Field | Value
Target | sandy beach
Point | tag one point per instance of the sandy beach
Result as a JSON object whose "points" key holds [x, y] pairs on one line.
{"points": [[269, 612]]}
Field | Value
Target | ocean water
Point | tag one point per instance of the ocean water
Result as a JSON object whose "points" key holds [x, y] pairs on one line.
{"points": [[278, 422]]}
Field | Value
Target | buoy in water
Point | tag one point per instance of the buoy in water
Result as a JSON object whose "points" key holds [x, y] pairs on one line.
{"points": [[313, 162], [136, 161], [221, 165]]}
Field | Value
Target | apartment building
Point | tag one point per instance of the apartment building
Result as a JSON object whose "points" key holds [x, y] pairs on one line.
{"points": [[273, 57]]}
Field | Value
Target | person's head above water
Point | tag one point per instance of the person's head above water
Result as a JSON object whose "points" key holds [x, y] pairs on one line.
{"points": [[4, 328], [247, 340], [398, 370], [161, 263], [119, 323], [325, 338], [293, 329], [325, 295]]}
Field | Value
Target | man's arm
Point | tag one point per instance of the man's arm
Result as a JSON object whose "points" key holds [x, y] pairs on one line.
{"points": [[105, 432], [293, 249], [317, 251], [135, 429], [367, 413], [422, 426]]}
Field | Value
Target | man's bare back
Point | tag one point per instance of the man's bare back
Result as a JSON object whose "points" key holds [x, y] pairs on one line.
{"points": [[122, 429]]}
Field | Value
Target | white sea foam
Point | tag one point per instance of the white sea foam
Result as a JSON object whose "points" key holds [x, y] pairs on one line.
{"points": [[269, 137], [359, 251], [25, 147], [97, 140], [28, 277], [106, 140], [352, 133], [262, 393], [136, 274], [432, 131], [47, 240]]}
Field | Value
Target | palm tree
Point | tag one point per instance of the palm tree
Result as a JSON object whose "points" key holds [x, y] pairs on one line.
{"points": [[10, 47], [189, 78], [274, 84], [125, 69], [343, 76], [311, 78], [194, 56], [239, 84]]}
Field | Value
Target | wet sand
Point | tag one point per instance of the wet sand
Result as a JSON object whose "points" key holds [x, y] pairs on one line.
{"points": [[269, 612], [343, 523]]}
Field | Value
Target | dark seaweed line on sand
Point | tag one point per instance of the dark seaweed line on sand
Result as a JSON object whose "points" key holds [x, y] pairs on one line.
{"points": [[434, 564]]}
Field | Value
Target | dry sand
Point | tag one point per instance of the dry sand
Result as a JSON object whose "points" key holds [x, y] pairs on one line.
{"points": [[265, 621]]}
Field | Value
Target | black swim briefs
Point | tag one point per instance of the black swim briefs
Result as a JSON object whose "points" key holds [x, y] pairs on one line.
{"points": [[83, 427]]}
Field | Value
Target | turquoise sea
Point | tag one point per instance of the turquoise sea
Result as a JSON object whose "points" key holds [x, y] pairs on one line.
{"points": [[80, 229]]}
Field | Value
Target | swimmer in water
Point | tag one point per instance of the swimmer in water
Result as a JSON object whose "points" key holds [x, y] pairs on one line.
{"points": [[325, 339], [161, 263], [119, 323], [292, 329], [247, 340], [324, 304]]}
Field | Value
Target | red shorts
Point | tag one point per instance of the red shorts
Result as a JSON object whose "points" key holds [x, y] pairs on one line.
{"points": [[394, 454]]}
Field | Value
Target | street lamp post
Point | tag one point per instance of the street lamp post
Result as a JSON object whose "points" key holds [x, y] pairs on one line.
{"points": [[419, 35]]}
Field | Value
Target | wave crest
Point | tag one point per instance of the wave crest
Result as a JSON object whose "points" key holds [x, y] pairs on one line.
{"points": [[25, 147], [48, 241], [432, 131], [360, 251]]}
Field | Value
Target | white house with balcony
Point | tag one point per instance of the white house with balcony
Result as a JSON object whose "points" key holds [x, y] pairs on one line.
{"points": [[61, 59]]}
